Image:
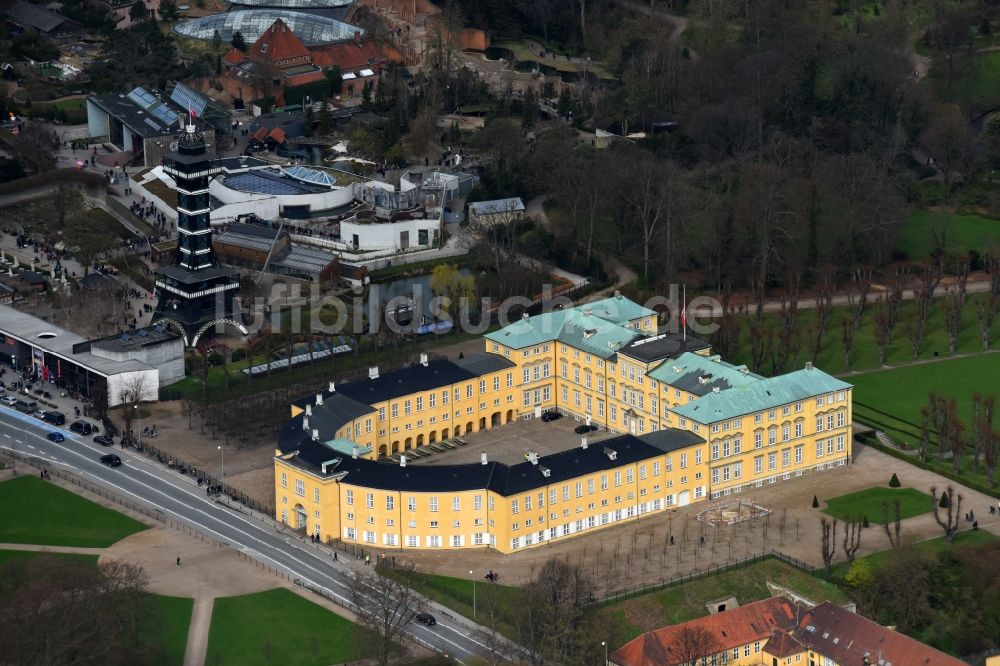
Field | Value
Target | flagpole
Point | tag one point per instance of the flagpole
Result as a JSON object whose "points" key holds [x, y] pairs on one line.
{"points": [[684, 328]]}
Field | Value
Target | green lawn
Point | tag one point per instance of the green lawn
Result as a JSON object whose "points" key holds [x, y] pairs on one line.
{"points": [[927, 547], [173, 619], [959, 233], [869, 503], [8, 555], [890, 400], [35, 511], [280, 627], [686, 601]]}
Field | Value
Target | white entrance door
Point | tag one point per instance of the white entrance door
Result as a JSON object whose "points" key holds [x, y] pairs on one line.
{"points": [[684, 498]]}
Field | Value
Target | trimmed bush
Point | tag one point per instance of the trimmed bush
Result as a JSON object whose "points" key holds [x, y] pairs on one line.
{"points": [[894, 481], [815, 502], [943, 503]]}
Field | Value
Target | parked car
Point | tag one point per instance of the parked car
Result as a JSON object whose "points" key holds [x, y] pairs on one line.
{"points": [[111, 460], [426, 619], [81, 427], [584, 429], [9, 400], [551, 416], [26, 406], [103, 440], [56, 437], [55, 418], [40, 414]]}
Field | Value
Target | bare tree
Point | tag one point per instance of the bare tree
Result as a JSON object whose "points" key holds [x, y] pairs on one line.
{"points": [[952, 307], [953, 510], [857, 296], [829, 542], [385, 607], [883, 330], [131, 391], [925, 432], [893, 533], [695, 644], [847, 341], [852, 538], [550, 621]]}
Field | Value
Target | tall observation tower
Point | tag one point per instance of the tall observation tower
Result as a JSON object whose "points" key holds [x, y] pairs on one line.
{"points": [[195, 293]]}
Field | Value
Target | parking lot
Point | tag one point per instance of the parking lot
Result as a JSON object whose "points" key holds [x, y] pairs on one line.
{"points": [[510, 443]]}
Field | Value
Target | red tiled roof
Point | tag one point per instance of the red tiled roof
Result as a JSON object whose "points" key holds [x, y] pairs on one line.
{"points": [[279, 43], [353, 55], [782, 645], [746, 624], [234, 57], [305, 77], [847, 638], [277, 135]]}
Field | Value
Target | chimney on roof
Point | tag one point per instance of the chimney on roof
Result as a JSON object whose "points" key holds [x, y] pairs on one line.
{"points": [[319, 399], [423, 359], [357, 36], [610, 453], [402, 461], [316, 434], [532, 457], [583, 443], [373, 372], [354, 452], [309, 410], [305, 423], [332, 387], [618, 294], [482, 459], [524, 315], [715, 389], [809, 365]]}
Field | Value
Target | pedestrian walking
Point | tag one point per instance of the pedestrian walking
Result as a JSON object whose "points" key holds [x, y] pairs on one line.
{"points": [[368, 560], [178, 561], [334, 556]]}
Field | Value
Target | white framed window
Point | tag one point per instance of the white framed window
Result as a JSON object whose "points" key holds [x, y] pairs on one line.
{"points": [[300, 487]]}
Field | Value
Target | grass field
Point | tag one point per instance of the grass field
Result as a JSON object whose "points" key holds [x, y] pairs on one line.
{"points": [[9, 555], [960, 233], [686, 601], [280, 627], [174, 620], [36, 511], [927, 547], [890, 400], [869, 503]]}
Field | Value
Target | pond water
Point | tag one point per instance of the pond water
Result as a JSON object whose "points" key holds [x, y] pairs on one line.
{"points": [[417, 287]]}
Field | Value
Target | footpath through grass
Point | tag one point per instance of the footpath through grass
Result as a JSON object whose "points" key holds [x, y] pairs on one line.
{"points": [[173, 616], [280, 627], [9, 555], [891, 400], [868, 503], [36, 511]]}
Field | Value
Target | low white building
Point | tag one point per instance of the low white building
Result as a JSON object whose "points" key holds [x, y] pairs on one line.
{"points": [[497, 211]]}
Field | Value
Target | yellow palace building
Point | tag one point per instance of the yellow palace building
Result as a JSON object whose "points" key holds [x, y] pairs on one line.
{"points": [[690, 426]]}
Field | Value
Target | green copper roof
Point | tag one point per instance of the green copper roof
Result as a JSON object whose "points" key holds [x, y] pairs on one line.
{"points": [[587, 332], [617, 309], [701, 375], [346, 447], [601, 332], [762, 394]]}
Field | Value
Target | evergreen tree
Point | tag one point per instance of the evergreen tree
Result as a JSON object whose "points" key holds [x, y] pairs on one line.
{"points": [[239, 42], [336, 79]]}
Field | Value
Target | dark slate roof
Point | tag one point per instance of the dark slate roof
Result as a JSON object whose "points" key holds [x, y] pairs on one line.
{"points": [[671, 439], [97, 280], [484, 363], [502, 479], [133, 340], [32, 277], [335, 411], [667, 345], [36, 17]]}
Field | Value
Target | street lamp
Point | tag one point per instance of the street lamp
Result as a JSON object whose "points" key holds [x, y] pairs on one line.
{"points": [[604, 644], [222, 453], [138, 428], [473, 595]]}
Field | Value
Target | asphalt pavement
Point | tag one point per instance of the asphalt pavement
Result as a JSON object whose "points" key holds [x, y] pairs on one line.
{"points": [[178, 498]]}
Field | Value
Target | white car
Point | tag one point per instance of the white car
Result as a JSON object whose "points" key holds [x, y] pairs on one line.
{"points": [[40, 414], [10, 401]]}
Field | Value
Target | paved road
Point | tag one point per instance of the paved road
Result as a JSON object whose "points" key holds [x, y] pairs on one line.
{"points": [[176, 497]]}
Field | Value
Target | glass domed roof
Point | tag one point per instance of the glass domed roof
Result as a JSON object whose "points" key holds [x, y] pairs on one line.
{"points": [[299, 4], [314, 176], [252, 23]]}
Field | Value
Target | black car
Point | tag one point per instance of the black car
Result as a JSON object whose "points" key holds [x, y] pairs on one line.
{"points": [[111, 460], [56, 437], [103, 440], [551, 416], [584, 429], [55, 418], [81, 427], [426, 619]]}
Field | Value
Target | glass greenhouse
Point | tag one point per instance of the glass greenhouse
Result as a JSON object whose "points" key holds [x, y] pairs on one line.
{"points": [[314, 176], [294, 4], [311, 29]]}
